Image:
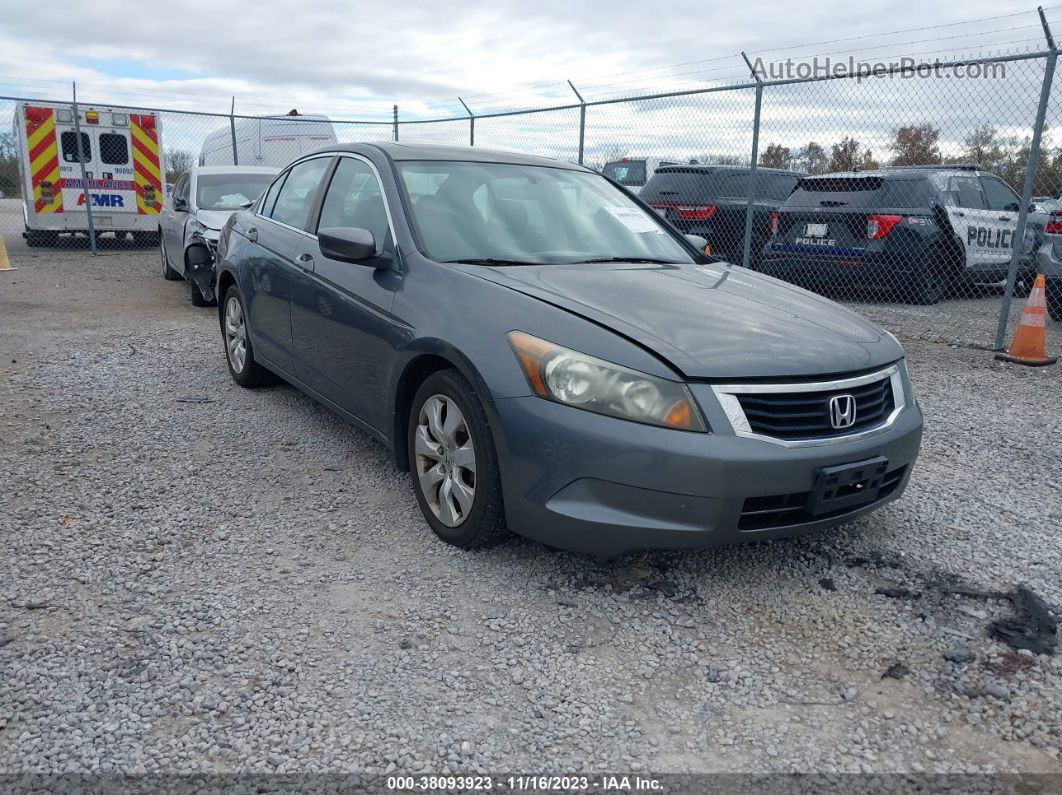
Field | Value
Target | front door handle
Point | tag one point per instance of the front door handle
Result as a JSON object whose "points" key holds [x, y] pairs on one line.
{"points": [[305, 261], [960, 214], [252, 235]]}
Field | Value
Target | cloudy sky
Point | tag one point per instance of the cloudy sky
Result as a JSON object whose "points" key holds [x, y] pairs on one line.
{"points": [[357, 58]]}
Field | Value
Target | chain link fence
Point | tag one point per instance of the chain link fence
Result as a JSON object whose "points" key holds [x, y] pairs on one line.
{"points": [[918, 193]]}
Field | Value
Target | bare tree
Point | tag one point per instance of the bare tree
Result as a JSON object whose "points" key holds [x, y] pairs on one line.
{"points": [[848, 155], [177, 162], [811, 158], [984, 148]]}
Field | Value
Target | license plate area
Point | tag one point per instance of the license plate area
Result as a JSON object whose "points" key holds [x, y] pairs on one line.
{"points": [[838, 488], [817, 230]]}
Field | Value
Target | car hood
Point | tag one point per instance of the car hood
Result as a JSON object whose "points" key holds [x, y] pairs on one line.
{"points": [[214, 219], [712, 321]]}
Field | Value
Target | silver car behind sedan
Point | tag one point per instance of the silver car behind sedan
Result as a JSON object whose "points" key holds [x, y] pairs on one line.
{"points": [[191, 220]]}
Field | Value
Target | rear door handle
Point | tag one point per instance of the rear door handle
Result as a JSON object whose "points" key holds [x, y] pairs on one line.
{"points": [[1004, 218], [305, 261], [252, 235], [960, 214]]}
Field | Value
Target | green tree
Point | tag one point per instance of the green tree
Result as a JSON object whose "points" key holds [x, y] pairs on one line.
{"points": [[776, 156], [915, 145]]}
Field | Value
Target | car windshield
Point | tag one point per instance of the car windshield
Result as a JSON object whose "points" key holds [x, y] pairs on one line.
{"points": [[229, 191], [507, 214]]}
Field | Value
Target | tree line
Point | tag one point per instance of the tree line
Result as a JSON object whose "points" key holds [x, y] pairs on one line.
{"points": [[917, 145]]}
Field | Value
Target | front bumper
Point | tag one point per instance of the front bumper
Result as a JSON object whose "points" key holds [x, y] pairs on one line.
{"points": [[602, 486]]}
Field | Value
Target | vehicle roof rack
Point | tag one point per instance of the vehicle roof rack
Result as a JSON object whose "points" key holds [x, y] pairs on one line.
{"points": [[938, 167]]}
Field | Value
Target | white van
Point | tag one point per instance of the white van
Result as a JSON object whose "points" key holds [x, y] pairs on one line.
{"points": [[270, 141]]}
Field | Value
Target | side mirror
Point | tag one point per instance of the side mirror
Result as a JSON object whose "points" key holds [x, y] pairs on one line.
{"points": [[180, 205], [347, 243], [697, 241]]}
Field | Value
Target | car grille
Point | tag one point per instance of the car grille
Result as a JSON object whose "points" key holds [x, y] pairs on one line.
{"points": [[784, 510], [806, 415]]}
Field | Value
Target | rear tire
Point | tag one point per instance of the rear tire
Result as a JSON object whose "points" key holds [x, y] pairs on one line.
{"points": [[239, 355], [924, 287], [462, 459], [1053, 293], [35, 238], [168, 273]]}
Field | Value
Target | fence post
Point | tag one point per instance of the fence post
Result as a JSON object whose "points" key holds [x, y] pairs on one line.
{"points": [[395, 136], [82, 156], [232, 129], [1026, 192], [471, 123], [746, 257], [582, 121]]}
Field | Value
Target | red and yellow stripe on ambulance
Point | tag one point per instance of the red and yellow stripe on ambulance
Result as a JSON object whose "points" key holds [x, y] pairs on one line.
{"points": [[44, 160], [147, 174]]}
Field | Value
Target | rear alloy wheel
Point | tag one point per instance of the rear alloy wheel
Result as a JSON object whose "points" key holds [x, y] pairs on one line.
{"points": [[239, 354], [168, 273], [453, 463]]}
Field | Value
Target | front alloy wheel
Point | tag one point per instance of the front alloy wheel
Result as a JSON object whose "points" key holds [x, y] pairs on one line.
{"points": [[239, 354], [446, 460], [454, 465]]}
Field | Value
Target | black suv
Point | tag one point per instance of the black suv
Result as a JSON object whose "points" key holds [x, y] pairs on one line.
{"points": [[711, 201], [924, 231]]}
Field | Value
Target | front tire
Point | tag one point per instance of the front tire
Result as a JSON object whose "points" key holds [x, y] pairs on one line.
{"points": [[453, 463], [239, 355]]}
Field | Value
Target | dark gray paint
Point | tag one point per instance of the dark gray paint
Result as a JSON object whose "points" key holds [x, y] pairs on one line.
{"points": [[352, 332]]}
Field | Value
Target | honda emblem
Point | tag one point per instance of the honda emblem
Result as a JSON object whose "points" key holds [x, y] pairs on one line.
{"points": [[842, 411]]}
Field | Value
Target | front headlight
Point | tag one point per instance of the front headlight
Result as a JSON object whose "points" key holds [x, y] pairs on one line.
{"points": [[198, 230], [586, 382]]}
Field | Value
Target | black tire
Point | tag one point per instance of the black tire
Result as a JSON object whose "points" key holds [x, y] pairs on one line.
{"points": [[1053, 293], [36, 238], [168, 273], [484, 524], [252, 375], [924, 282]]}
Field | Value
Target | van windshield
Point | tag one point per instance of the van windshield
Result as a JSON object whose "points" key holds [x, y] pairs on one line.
{"points": [[229, 191], [506, 214]]}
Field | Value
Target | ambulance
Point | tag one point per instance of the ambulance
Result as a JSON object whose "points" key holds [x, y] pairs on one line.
{"points": [[121, 152]]}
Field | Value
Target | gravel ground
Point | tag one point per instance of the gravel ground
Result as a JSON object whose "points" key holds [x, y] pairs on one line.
{"points": [[243, 582]]}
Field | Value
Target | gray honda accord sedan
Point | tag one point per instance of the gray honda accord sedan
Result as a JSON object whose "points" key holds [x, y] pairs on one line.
{"points": [[545, 354]]}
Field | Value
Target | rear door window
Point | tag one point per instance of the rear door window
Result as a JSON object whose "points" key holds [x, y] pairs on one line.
{"points": [[630, 173], [296, 197], [967, 192], [68, 143], [114, 149]]}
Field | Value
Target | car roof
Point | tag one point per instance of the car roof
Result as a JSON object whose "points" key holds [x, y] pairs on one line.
{"points": [[707, 167], [898, 171], [235, 170], [472, 154]]}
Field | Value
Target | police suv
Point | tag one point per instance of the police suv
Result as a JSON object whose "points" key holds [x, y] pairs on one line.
{"points": [[923, 231]]}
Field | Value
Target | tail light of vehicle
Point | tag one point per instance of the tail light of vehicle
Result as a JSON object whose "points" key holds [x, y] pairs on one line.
{"points": [[694, 212], [774, 223], [35, 115], [1054, 223], [880, 225], [147, 122]]}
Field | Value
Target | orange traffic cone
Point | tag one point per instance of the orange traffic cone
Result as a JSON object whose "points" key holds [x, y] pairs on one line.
{"points": [[5, 263], [1027, 347]]}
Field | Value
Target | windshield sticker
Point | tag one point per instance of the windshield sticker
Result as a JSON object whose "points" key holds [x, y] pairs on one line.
{"points": [[635, 220]]}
